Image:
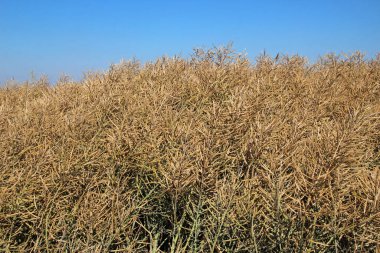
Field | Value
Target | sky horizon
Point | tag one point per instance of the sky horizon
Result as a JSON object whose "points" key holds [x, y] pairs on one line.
{"points": [[69, 37]]}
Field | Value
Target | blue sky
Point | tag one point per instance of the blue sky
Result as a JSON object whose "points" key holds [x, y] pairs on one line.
{"points": [[72, 37]]}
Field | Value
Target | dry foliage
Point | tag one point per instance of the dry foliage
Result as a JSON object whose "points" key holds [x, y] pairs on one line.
{"points": [[208, 154]]}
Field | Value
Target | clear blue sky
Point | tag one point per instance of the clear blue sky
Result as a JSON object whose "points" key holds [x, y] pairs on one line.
{"points": [[65, 36]]}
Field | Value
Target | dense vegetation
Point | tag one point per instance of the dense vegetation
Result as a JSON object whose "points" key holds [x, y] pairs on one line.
{"points": [[207, 154]]}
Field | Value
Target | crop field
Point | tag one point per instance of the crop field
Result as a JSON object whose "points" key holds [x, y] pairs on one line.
{"points": [[212, 153]]}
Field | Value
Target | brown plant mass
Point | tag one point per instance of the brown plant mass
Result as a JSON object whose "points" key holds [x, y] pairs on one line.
{"points": [[207, 154]]}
